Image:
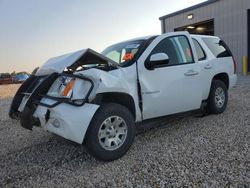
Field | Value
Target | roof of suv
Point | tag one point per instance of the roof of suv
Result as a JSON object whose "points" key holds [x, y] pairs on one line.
{"points": [[148, 37], [204, 36], [140, 38]]}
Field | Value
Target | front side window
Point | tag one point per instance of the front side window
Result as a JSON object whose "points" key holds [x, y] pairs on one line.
{"points": [[123, 52], [177, 48]]}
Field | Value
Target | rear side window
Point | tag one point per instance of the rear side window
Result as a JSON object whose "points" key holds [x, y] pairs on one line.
{"points": [[199, 50], [217, 47]]}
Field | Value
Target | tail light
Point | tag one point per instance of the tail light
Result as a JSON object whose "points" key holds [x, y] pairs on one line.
{"points": [[235, 65]]}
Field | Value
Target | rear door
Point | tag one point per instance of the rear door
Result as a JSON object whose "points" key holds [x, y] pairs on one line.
{"points": [[175, 87], [206, 62]]}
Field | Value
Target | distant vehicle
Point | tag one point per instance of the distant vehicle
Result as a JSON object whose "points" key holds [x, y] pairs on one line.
{"points": [[129, 82], [19, 78], [6, 79]]}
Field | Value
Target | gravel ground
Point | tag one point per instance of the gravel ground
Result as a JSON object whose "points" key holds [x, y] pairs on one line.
{"points": [[212, 151]]}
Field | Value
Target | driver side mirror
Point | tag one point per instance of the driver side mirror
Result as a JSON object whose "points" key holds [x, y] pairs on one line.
{"points": [[157, 60]]}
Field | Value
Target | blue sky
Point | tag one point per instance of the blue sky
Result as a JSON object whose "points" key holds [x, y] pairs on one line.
{"points": [[32, 31]]}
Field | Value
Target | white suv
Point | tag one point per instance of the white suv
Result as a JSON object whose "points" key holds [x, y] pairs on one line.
{"points": [[96, 99]]}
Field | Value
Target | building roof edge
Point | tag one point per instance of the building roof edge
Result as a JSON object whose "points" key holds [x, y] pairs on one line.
{"points": [[188, 9]]}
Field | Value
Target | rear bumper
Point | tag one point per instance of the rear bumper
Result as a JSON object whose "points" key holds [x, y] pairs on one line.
{"points": [[232, 81]]}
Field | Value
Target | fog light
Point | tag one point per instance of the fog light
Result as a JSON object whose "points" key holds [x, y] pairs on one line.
{"points": [[56, 123]]}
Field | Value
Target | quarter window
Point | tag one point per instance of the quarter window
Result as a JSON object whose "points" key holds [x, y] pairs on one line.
{"points": [[177, 48], [217, 47]]}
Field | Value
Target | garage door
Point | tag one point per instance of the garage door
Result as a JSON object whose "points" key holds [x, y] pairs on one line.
{"points": [[248, 20], [201, 28]]}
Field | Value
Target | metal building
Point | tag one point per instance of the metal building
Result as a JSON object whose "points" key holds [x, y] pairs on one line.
{"points": [[228, 19]]}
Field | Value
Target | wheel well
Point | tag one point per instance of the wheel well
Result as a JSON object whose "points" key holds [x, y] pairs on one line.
{"points": [[222, 77], [116, 97]]}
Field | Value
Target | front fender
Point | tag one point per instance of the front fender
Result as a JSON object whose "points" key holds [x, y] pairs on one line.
{"points": [[122, 80]]}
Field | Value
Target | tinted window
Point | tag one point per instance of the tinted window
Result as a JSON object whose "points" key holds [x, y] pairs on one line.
{"points": [[217, 47], [177, 48], [199, 50]]}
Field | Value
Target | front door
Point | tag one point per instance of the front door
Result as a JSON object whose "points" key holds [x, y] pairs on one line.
{"points": [[172, 88]]}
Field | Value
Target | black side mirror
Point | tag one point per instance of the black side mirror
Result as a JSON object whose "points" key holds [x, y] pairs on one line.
{"points": [[157, 60]]}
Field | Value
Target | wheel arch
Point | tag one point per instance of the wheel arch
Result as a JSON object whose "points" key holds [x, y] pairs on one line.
{"points": [[121, 98], [222, 77]]}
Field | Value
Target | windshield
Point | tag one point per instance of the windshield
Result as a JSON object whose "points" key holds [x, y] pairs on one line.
{"points": [[123, 52]]}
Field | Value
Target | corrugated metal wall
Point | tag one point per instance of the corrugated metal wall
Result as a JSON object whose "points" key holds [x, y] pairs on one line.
{"points": [[230, 22]]}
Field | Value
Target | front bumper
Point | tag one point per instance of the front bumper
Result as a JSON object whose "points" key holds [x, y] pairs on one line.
{"points": [[66, 120], [61, 116]]}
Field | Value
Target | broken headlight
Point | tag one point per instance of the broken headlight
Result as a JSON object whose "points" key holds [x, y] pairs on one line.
{"points": [[70, 88]]}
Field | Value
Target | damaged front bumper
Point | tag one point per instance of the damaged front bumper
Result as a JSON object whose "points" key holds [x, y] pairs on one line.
{"points": [[62, 116]]}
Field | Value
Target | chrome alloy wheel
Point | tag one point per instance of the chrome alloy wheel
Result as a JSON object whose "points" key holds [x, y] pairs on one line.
{"points": [[219, 97], [112, 133]]}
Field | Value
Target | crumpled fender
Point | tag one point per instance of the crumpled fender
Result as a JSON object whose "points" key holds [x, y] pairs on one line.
{"points": [[72, 121], [113, 81], [121, 80]]}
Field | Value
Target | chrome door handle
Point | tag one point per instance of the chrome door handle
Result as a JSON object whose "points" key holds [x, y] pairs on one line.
{"points": [[191, 73], [208, 67]]}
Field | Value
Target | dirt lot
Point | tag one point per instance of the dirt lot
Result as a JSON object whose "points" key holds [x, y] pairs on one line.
{"points": [[213, 151]]}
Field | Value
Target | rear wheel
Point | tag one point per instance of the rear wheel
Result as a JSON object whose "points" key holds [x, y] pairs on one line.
{"points": [[111, 132], [218, 97]]}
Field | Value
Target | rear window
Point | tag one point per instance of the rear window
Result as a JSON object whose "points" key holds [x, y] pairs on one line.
{"points": [[217, 47]]}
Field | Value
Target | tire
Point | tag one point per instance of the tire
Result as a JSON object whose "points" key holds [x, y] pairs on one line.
{"points": [[218, 97], [111, 132]]}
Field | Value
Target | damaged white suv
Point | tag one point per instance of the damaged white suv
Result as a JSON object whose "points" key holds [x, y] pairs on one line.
{"points": [[96, 99]]}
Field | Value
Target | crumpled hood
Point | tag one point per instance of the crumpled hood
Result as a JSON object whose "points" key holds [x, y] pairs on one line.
{"points": [[72, 61]]}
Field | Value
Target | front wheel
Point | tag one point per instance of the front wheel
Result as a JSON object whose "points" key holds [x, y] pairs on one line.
{"points": [[218, 97], [111, 132]]}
